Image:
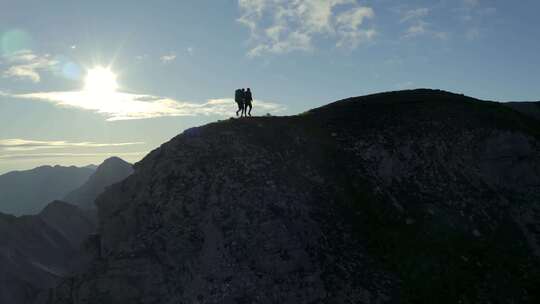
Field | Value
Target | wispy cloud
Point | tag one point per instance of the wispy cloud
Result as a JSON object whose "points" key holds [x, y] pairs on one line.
{"points": [[474, 11], [414, 14], [18, 144], [473, 14], [348, 24], [168, 58], [417, 29], [417, 26], [63, 156], [27, 65], [126, 106], [279, 27]]}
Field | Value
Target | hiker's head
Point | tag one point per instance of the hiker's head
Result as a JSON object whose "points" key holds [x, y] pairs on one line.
{"points": [[243, 89], [248, 89]]}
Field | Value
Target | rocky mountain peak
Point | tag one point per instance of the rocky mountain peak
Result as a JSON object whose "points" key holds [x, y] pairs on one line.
{"points": [[111, 171], [397, 197]]}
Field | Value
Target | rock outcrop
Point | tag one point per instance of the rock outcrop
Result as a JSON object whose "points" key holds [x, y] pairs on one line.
{"points": [[405, 197], [111, 171]]}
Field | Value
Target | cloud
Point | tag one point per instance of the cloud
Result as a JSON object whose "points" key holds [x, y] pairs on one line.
{"points": [[26, 65], [36, 156], [416, 29], [348, 24], [473, 10], [417, 26], [18, 144], [25, 149], [126, 106], [414, 14], [168, 58], [279, 27], [415, 20], [441, 35]]}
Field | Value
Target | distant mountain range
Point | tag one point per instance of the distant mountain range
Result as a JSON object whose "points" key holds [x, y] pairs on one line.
{"points": [[38, 250], [109, 172], [27, 192]]}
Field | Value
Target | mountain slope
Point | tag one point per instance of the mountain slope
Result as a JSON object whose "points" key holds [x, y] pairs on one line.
{"points": [[27, 192], [528, 108], [36, 251], [404, 197], [111, 171]]}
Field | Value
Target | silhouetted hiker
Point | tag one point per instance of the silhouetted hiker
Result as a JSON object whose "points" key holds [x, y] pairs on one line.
{"points": [[248, 98], [243, 95], [239, 98]]}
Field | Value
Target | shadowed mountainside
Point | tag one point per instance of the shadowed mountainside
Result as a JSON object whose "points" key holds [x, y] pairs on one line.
{"points": [[27, 192], [36, 251], [528, 108], [111, 171], [405, 197]]}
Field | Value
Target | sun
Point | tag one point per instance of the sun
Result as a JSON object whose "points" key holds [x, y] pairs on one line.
{"points": [[100, 80]]}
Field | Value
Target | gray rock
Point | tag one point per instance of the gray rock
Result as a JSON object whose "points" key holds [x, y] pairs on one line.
{"points": [[278, 210]]}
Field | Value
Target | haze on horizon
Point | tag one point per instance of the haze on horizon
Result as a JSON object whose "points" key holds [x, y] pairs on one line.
{"points": [[82, 81]]}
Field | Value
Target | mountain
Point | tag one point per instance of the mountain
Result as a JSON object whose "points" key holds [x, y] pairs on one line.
{"points": [[111, 171], [27, 192], [404, 197], [37, 250], [531, 109], [91, 166]]}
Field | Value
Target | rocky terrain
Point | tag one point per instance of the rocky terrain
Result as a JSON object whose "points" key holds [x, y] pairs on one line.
{"points": [[528, 108], [405, 197], [111, 171], [27, 192], [38, 250]]}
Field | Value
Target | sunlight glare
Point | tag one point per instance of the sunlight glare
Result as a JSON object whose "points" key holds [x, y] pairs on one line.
{"points": [[100, 81]]}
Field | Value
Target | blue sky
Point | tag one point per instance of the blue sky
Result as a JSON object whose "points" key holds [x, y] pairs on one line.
{"points": [[177, 64]]}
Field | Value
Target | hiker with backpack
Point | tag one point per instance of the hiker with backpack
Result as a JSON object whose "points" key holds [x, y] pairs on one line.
{"points": [[239, 99]]}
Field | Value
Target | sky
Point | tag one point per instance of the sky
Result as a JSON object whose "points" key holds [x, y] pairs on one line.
{"points": [[84, 80]]}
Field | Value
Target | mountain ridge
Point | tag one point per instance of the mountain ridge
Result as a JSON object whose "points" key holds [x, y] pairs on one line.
{"points": [[28, 191], [111, 171], [400, 197]]}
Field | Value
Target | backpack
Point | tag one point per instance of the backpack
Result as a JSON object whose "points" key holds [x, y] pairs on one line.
{"points": [[238, 95]]}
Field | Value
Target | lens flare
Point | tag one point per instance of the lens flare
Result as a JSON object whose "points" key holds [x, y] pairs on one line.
{"points": [[14, 41]]}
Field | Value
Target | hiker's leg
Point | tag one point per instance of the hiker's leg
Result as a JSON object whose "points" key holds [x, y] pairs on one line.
{"points": [[250, 107]]}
